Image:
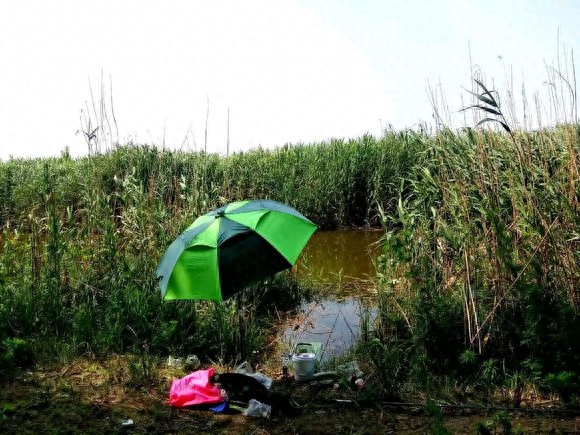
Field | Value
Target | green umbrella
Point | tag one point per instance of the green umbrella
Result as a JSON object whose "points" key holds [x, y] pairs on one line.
{"points": [[231, 247]]}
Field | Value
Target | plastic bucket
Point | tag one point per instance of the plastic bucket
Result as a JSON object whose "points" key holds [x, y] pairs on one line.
{"points": [[304, 366]]}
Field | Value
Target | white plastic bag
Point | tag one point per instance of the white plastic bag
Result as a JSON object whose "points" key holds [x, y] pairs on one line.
{"points": [[264, 380], [246, 369], [258, 409], [173, 362]]}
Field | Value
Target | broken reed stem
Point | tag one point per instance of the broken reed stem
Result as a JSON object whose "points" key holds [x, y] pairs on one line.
{"points": [[503, 296]]}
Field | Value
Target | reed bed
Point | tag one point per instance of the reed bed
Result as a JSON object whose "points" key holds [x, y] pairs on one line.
{"points": [[479, 276], [481, 265], [80, 238]]}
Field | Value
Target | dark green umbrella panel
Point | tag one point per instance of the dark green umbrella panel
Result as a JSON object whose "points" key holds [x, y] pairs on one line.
{"points": [[231, 247]]}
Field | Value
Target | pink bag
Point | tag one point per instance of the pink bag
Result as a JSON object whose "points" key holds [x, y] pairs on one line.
{"points": [[194, 389]]}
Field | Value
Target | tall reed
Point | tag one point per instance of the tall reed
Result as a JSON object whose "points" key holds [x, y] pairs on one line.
{"points": [[482, 255]]}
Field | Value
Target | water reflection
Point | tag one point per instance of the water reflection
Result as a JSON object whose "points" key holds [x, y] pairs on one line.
{"points": [[339, 256], [337, 325]]}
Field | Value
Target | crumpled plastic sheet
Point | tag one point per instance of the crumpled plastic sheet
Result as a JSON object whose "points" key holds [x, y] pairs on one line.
{"points": [[194, 389]]}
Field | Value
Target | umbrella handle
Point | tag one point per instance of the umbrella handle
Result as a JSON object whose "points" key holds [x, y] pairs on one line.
{"points": [[241, 326]]}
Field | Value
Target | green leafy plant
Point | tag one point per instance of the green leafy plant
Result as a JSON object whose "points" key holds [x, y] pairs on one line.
{"points": [[565, 384], [500, 423], [488, 102], [6, 410], [437, 426], [15, 353]]}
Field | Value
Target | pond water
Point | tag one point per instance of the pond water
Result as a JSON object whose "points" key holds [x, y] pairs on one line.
{"points": [[340, 256], [345, 260], [336, 325]]}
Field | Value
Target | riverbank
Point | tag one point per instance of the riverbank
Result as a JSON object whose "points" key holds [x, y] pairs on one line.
{"points": [[103, 396]]}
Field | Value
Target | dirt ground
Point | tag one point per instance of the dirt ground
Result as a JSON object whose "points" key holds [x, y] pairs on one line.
{"points": [[100, 397]]}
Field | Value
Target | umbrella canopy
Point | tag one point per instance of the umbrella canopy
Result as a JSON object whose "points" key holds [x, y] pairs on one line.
{"points": [[231, 247]]}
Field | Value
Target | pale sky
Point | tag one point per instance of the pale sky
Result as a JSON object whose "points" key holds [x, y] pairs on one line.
{"points": [[288, 70]]}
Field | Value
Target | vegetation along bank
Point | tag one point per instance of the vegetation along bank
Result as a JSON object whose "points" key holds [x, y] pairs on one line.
{"points": [[477, 285]]}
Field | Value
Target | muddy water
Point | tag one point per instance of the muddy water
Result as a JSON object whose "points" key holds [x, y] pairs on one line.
{"points": [[340, 256], [345, 261]]}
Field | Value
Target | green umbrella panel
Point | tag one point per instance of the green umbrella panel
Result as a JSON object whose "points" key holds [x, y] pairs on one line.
{"points": [[231, 247]]}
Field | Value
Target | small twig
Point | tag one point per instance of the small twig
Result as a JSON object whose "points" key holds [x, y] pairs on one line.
{"points": [[330, 333], [347, 325], [403, 313], [472, 300]]}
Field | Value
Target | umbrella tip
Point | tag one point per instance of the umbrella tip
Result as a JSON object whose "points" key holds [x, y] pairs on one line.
{"points": [[220, 213]]}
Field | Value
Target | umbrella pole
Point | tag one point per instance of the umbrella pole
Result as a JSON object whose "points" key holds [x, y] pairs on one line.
{"points": [[241, 326]]}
